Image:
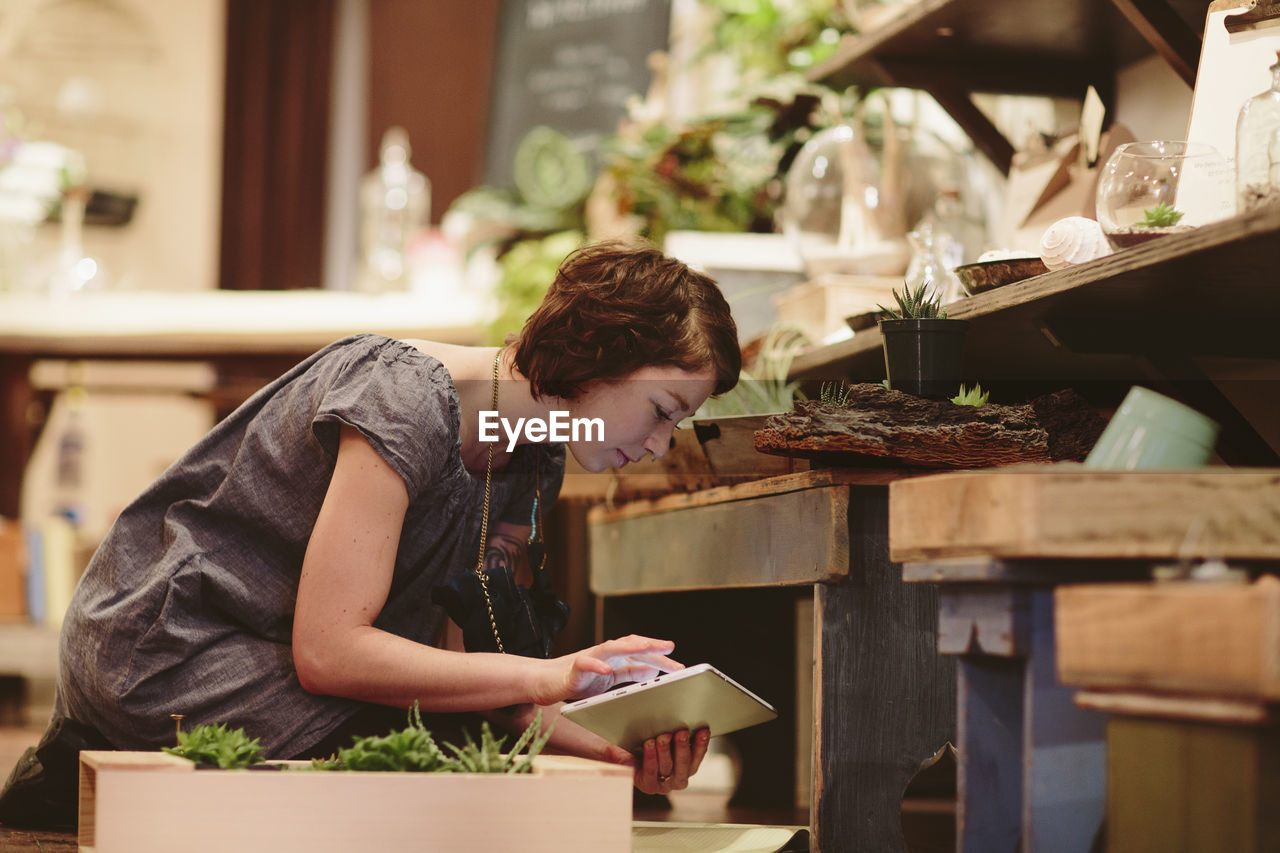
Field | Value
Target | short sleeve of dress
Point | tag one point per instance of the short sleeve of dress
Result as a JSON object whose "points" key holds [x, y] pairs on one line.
{"points": [[401, 400]]}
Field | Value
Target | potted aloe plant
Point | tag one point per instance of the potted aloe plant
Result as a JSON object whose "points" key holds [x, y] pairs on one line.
{"points": [[923, 348]]}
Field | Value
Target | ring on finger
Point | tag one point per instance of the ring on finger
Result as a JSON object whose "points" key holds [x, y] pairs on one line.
{"points": [[664, 779]]}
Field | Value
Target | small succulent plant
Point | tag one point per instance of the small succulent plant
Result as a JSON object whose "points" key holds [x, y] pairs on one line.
{"points": [[229, 749], [974, 396], [834, 393], [413, 749], [916, 303], [1160, 216]]}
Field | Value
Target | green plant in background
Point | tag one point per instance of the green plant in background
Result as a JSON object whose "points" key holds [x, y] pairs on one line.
{"points": [[716, 173], [916, 303], [412, 749], [229, 749], [974, 396], [771, 38], [1161, 216], [527, 270], [762, 385], [834, 393]]}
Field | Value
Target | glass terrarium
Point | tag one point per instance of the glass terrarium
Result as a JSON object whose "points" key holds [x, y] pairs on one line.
{"points": [[1258, 148], [836, 211], [1152, 189]]}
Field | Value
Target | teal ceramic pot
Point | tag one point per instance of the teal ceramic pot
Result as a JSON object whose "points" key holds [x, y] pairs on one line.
{"points": [[1149, 430]]}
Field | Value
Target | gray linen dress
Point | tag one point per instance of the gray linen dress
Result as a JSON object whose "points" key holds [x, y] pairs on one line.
{"points": [[187, 605]]}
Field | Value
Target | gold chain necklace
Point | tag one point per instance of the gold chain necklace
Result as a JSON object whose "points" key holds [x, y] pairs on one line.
{"points": [[484, 522]]}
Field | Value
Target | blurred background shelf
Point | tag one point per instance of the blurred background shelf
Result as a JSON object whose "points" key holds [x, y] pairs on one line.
{"points": [[953, 48], [1194, 315]]}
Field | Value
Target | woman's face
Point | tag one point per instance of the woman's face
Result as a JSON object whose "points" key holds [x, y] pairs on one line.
{"points": [[639, 412]]}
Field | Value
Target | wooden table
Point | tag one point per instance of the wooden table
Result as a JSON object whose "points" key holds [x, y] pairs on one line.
{"points": [[254, 335], [1187, 673], [997, 543], [882, 697]]}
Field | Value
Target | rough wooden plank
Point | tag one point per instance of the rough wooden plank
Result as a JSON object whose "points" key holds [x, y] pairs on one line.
{"points": [[1180, 637], [138, 806], [815, 479], [1068, 511], [890, 425], [740, 543]]}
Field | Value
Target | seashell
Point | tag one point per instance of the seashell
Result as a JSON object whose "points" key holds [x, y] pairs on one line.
{"points": [[1073, 240]]}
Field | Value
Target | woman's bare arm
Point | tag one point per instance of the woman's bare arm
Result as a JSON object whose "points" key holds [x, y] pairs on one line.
{"points": [[346, 576]]}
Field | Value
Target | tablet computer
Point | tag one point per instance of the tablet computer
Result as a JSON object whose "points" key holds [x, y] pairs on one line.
{"points": [[698, 697]]}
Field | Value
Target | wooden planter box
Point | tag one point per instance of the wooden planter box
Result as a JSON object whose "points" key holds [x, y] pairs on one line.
{"points": [[138, 802]]}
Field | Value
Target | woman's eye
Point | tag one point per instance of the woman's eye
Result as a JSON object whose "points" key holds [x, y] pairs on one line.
{"points": [[660, 414]]}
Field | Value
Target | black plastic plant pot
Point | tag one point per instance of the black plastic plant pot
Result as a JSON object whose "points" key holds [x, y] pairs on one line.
{"points": [[924, 357]]}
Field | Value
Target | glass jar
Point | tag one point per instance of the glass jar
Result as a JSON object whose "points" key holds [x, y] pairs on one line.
{"points": [[1148, 190], [834, 211], [1258, 148], [395, 206]]}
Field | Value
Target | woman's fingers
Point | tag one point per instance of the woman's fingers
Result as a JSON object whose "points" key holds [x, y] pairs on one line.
{"points": [[666, 762], [701, 740], [681, 760], [646, 776], [669, 760]]}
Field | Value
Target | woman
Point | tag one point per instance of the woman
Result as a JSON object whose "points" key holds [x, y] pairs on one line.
{"points": [[279, 577]]}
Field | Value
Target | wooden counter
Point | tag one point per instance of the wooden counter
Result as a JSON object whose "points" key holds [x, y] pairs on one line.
{"points": [[251, 334], [998, 544], [1069, 512]]}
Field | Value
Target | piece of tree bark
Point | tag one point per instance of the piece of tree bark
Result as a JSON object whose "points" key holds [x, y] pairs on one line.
{"points": [[877, 426]]}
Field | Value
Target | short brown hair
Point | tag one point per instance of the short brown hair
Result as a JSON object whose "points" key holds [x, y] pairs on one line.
{"points": [[616, 307]]}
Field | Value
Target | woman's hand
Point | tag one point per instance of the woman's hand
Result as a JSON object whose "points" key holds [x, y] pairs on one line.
{"points": [[667, 761], [596, 669], [663, 765]]}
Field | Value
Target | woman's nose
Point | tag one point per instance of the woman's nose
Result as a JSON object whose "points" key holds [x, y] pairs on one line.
{"points": [[661, 441]]}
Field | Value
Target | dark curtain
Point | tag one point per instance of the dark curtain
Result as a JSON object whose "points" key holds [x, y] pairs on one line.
{"points": [[431, 67], [275, 146]]}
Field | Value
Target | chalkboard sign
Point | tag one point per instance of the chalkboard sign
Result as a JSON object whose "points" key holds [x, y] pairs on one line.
{"points": [[570, 65]]}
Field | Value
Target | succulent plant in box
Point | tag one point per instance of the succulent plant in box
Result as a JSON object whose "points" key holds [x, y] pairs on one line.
{"points": [[217, 745], [923, 348]]}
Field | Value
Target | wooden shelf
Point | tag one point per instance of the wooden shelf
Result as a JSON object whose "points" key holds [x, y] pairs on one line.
{"points": [[953, 48], [1180, 314], [1208, 293]]}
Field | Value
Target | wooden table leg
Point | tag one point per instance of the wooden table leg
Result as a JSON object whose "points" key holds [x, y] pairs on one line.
{"points": [[1032, 765], [989, 753], [885, 701]]}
